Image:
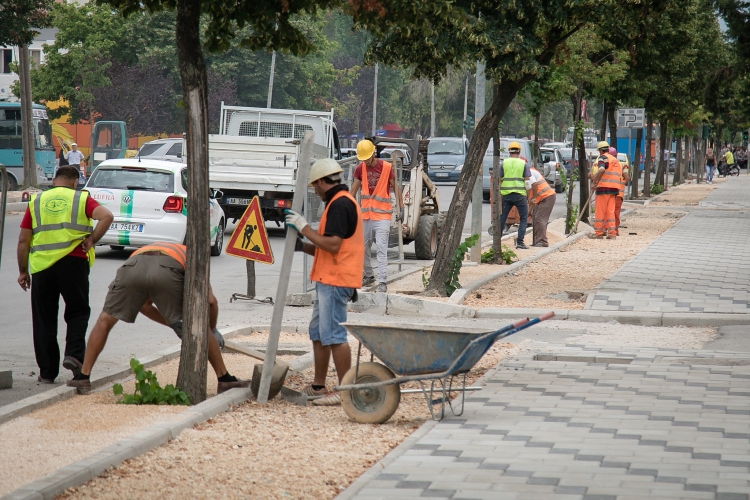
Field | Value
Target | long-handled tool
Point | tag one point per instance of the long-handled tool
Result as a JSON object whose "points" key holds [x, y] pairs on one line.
{"points": [[574, 229]]}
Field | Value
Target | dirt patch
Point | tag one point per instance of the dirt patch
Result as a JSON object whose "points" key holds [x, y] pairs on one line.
{"points": [[685, 194], [577, 268]]}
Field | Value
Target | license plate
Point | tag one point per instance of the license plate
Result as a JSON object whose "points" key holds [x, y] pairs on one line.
{"points": [[441, 174], [239, 201], [124, 226]]}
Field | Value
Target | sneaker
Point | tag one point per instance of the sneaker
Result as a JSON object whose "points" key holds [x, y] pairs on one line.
{"points": [[333, 399], [83, 386], [382, 288], [368, 280], [310, 392], [225, 386], [45, 380], [520, 245], [72, 364]]}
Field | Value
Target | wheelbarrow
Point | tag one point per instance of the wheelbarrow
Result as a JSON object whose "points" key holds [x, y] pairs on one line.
{"points": [[442, 356]]}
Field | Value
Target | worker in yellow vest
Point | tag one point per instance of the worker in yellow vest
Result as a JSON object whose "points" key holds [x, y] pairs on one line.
{"points": [[606, 183], [55, 252], [543, 197], [375, 177], [338, 248], [515, 180]]}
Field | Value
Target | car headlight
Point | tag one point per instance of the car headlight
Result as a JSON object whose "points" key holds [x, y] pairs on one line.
{"points": [[459, 167]]}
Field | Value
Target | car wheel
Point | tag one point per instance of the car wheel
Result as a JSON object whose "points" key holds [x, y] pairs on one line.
{"points": [[117, 247], [219, 241]]}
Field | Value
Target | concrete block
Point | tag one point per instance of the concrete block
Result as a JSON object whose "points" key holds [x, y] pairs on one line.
{"points": [[6, 379], [518, 313], [705, 319], [299, 299], [624, 317], [370, 302]]}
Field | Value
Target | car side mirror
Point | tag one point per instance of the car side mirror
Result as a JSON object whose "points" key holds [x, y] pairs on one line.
{"points": [[217, 194], [179, 155]]}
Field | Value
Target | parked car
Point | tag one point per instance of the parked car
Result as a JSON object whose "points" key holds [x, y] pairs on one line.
{"points": [[162, 149], [550, 163], [348, 152], [487, 162], [148, 201], [387, 154], [568, 160], [624, 160], [445, 158], [558, 145]]}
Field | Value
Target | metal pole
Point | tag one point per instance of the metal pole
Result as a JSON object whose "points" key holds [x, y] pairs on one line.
{"points": [[4, 191], [399, 177], [300, 190], [432, 110], [270, 80], [375, 100], [476, 195], [466, 105]]}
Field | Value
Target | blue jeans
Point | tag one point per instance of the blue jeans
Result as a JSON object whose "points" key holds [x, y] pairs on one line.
{"points": [[709, 173], [329, 311], [521, 203]]}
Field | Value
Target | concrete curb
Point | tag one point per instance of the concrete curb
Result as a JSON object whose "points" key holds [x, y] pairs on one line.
{"points": [[16, 206], [623, 317]]}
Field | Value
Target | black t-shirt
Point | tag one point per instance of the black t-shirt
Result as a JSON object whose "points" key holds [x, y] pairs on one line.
{"points": [[342, 214]]}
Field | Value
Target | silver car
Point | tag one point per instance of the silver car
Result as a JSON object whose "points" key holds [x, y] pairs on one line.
{"points": [[162, 149], [550, 162]]}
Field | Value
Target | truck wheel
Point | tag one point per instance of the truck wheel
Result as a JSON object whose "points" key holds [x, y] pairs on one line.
{"points": [[12, 183], [219, 241], [425, 244]]}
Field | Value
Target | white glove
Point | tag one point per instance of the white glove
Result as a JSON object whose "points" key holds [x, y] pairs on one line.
{"points": [[219, 337], [295, 220], [528, 184]]}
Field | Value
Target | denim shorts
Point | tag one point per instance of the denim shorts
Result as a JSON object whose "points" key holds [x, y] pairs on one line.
{"points": [[329, 311]]}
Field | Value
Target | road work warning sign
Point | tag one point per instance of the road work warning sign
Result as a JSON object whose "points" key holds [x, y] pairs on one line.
{"points": [[249, 239]]}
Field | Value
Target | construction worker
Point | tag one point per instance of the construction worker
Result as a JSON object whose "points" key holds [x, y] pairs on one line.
{"points": [[606, 183], [621, 194], [55, 252], [338, 248], [515, 180], [151, 282], [74, 157], [376, 177], [543, 197]]}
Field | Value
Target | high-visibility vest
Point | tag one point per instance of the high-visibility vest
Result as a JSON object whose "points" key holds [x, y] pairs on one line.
{"points": [[345, 268], [612, 175], [175, 250], [512, 181], [540, 189], [376, 205], [58, 224], [623, 184]]}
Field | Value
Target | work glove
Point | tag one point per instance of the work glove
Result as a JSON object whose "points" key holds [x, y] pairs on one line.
{"points": [[400, 215], [218, 336], [299, 244], [295, 220]]}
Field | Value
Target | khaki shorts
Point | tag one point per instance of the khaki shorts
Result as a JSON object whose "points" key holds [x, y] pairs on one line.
{"points": [[143, 277]]}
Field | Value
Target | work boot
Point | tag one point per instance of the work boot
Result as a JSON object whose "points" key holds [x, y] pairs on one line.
{"points": [[83, 386], [72, 364], [45, 380], [382, 288], [594, 236], [225, 386], [368, 280], [542, 245], [521, 246], [611, 237]]}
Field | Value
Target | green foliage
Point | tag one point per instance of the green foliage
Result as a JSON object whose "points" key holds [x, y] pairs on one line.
{"points": [[656, 189], [451, 283], [571, 220], [425, 278], [21, 19], [148, 391], [488, 257], [506, 255]]}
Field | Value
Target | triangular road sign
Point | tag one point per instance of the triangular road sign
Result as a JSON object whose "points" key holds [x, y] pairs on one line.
{"points": [[249, 239]]}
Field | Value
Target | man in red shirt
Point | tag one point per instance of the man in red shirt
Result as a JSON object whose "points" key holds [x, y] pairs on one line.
{"points": [[55, 252]]}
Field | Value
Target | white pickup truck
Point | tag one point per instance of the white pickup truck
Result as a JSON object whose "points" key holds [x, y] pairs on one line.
{"points": [[256, 153]]}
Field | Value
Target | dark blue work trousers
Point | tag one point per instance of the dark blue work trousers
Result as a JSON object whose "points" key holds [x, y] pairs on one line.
{"points": [[521, 203]]}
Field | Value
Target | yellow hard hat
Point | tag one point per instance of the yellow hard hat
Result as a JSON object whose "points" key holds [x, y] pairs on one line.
{"points": [[365, 150], [514, 145], [324, 168], [602, 145]]}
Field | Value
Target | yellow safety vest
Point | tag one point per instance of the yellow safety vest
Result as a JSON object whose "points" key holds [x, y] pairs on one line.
{"points": [[513, 181], [59, 223]]}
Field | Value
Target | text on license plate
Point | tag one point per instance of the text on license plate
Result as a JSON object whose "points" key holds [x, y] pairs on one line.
{"points": [[441, 174], [239, 201], [124, 226]]}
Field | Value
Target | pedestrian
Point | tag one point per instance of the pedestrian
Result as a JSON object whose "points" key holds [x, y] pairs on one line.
{"points": [[607, 185], [151, 282], [543, 197], [710, 165], [375, 177], [729, 159], [621, 194], [74, 157], [338, 248], [515, 180], [55, 252]]}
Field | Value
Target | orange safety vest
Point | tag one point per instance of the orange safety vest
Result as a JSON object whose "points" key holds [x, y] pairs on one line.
{"points": [[345, 268], [540, 189], [176, 251], [621, 194], [376, 205], [612, 175]]}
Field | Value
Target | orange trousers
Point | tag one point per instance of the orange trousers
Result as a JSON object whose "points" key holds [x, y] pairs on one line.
{"points": [[604, 217], [618, 207]]}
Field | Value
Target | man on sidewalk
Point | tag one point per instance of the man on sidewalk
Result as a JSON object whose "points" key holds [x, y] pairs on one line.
{"points": [[376, 177], [543, 197], [154, 275], [606, 182], [338, 248], [621, 194], [55, 252], [74, 157], [515, 180]]}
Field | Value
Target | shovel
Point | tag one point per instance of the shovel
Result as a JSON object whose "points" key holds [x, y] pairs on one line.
{"points": [[280, 369]]}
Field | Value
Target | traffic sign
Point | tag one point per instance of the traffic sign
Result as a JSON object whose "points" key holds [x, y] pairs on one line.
{"points": [[249, 239], [631, 117]]}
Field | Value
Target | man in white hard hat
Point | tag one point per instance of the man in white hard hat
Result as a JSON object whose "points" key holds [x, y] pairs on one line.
{"points": [[375, 177], [338, 248], [74, 157]]}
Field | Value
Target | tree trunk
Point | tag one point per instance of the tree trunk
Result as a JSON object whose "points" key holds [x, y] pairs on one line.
{"points": [[605, 114], [649, 159], [536, 139], [678, 178], [495, 197], [580, 146], [191, 376], [613, 126], [27, 118], [635, 167], [660, 175]]}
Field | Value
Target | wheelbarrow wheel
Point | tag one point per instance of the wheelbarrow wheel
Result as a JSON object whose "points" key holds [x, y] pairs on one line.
{"points": [[374, 405]]}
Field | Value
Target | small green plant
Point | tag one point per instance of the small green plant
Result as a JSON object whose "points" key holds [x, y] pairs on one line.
{"points": [[572, 220], [148, 391], [657, 188], [506, 255], [454, 266], [488, 257], [425, 278]]}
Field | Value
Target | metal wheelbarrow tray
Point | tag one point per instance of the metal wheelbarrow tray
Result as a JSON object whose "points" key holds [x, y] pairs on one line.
{"points": [[370, 391]]}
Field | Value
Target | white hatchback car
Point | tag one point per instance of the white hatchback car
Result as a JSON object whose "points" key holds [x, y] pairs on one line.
{"points": [[147, 199]]}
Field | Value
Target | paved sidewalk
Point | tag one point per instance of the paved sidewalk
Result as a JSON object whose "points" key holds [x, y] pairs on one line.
{"points": [[701, 264], [670, 424]]}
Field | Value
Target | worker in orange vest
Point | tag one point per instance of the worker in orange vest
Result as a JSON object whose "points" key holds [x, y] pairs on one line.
{"points": [[620, 195], [606, 182], [339, 250], [543, 197], [376, 177]]}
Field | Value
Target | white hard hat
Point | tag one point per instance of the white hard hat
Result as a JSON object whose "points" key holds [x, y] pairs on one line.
{"points": [[74, 144], [324, 168]]}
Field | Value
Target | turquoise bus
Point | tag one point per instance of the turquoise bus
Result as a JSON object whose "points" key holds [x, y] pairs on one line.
{"points": [[11, 152]]}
